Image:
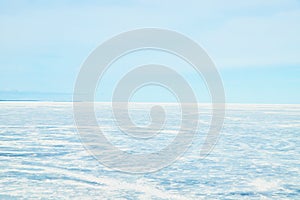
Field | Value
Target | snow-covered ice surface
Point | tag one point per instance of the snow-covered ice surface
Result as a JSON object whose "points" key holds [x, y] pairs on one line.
{"points": [[256, 157]]}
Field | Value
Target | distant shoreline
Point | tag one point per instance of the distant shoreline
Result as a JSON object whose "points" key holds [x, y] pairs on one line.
{"points": [[19, 100]]}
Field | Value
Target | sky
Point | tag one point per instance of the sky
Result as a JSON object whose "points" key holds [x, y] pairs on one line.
{"points": [[254, 44]]}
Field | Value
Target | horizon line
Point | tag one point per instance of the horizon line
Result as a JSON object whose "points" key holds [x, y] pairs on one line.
{"points": [[141, 102]]}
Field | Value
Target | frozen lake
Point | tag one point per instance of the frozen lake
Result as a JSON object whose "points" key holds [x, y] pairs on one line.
{"points": [[256, 157]]}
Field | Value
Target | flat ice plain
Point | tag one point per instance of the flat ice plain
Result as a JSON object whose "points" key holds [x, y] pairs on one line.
{"points": [[256, 157]]}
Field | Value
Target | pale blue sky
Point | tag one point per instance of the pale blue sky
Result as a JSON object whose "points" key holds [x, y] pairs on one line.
{"points": [[255, 44]]}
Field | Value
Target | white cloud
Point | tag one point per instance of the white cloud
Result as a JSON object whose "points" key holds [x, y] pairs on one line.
{"points": [[257, 41]]}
